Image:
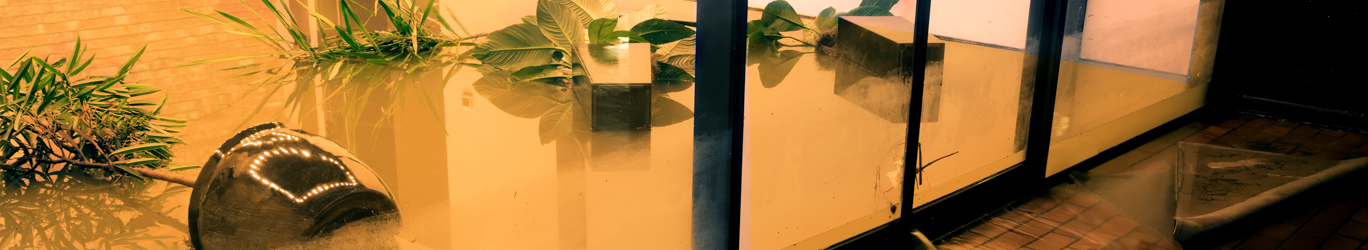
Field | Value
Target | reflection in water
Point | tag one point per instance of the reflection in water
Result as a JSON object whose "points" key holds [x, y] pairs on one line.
{"points": [[75, 209], [300, 186]]}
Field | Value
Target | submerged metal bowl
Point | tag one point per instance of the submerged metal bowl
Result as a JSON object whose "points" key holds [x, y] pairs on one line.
{"points": [[273, 186]]}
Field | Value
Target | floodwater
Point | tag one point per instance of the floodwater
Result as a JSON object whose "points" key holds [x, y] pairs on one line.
{"points": [[471, 167]]}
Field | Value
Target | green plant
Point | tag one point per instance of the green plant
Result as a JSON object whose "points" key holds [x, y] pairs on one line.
{"points": [[779, 16], [353, 61], [530, 69], [53, 121], [764, 35]]}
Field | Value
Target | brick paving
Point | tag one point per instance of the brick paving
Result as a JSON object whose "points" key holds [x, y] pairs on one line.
{"points": [[1070, 218]]}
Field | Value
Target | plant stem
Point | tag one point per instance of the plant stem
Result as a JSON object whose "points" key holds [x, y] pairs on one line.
{"points": [[147, 172]]}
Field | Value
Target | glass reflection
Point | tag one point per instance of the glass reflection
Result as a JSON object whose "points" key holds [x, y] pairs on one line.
{"points": [[825, 130]]}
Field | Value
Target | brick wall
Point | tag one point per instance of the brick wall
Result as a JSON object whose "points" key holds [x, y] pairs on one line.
{"points": [[115, 29]]}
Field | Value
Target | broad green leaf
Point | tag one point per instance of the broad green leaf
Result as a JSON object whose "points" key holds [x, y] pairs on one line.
{"points": [[780, 16], [524, 100], [586, 11], [600, 28], [666, 111], [631, 19], [773, 70], [659, 31], [868, 11], [530, 19], [672, 79], [631, 37], [516, 47], [827, 19], [538, 73], [685, 62], [682, 47], [556, 122], [881, 4], [559, 23]]}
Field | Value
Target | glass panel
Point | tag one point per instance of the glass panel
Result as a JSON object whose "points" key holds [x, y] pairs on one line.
{"points": [[984, 97], [501, 152], [825, 124], [1120, 57]]}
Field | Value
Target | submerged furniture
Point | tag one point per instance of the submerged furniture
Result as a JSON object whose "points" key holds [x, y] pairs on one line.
{"points": [[876, 52], [271, 186], [620, 77]]}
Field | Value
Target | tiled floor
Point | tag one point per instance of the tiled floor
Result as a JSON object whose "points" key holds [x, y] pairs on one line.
{"points": [[1069, 218]]}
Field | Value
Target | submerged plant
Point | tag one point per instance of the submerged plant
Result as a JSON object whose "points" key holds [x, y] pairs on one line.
{"points": [[53, 121], [349, 60], [530, 69], [73, 209], [764, 35]]}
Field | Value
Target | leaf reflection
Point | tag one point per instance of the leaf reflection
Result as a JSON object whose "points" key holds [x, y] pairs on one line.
{"points": [[773, 70], [76, 209]]}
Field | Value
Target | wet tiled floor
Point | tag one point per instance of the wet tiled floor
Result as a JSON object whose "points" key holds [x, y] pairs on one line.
{"points": [[1068, 217]]}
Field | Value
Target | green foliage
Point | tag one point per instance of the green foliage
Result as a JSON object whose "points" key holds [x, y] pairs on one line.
{"points": [[76, 209], [539, 50], [779, 16], [350, 60], [764, 35], [55, 120]]}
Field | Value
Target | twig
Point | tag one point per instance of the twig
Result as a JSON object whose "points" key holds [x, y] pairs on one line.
{"points": [[147, 172]]}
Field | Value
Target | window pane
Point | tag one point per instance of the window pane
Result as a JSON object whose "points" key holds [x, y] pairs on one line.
{"points": [[826, 126]]}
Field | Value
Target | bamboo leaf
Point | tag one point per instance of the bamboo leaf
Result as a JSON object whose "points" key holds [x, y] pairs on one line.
{"points": [[129, 171], [75, 56], [222, 59], [131, 61], [139, 148], [181, 168]]}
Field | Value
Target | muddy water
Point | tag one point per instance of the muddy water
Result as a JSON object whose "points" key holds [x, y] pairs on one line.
{"points": [[825, 139]]}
